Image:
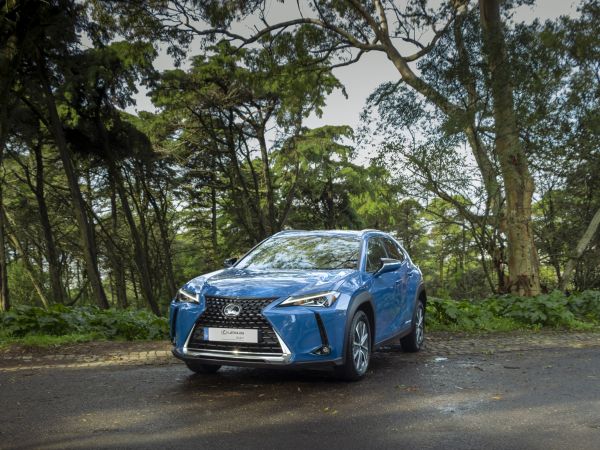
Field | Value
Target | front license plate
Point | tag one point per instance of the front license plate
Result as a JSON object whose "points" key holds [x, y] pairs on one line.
{"points": [[231, 335]]}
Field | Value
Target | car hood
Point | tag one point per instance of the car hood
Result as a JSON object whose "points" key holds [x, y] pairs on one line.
{"points": [[266, 283]]}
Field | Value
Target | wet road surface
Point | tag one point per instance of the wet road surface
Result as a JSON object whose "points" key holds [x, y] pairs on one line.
{"points": [[532, 399]]}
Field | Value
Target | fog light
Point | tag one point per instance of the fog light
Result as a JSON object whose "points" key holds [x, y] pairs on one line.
{"points": [[325, 350]]}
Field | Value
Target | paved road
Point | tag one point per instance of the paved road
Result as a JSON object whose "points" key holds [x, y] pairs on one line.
{"points": [[546, 398]]}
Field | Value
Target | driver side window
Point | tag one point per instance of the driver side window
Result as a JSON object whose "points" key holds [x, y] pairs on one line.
{"points": [[375, 251], [393, 250]]}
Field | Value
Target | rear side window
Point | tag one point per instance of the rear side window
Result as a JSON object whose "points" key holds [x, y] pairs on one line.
{"points": [[375, 251], [393, 250]]}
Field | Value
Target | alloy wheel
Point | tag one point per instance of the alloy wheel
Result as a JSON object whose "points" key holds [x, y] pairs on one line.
{"points": [[360, 346], [420, 326]]}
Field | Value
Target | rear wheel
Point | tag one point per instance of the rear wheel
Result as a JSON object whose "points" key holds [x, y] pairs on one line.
{"points": [[358, 349], [414, 341], [198, 367]]}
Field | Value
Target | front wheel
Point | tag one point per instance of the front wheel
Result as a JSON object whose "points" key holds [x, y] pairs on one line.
{"points": [[358, 349], [414, 341], [197, 367]]}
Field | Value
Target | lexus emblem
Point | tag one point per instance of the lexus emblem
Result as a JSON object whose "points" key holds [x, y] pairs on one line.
{"points": [[232, 310]]}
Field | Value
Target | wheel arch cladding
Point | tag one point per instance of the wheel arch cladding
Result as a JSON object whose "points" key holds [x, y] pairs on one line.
{"points": [[362, 302], [367, 308], [422, 295]]}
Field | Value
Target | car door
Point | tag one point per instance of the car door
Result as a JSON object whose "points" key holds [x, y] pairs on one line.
{"points": [[383, 289], [402, 308]]}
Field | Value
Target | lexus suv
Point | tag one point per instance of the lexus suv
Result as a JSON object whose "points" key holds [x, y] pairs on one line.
{"points": [[302, 299]]}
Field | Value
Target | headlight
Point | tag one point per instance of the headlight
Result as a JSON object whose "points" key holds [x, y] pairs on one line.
{"points": [[324, 299], [183, 296]]}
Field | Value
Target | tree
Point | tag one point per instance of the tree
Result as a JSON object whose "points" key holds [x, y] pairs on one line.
{"points": [[222, 112], [366, 27], [322, 178], [45, 46]]}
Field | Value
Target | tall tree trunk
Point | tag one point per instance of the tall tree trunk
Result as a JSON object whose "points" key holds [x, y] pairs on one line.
{"points": [[523, 263], [247, 207], [140, 257], [164, 237], [213, 219], [266, 169], [26, 263], [56, 286], [139, 250], [90, 252], [8, 55], [584, 241], [4, 293], [115, 257]]}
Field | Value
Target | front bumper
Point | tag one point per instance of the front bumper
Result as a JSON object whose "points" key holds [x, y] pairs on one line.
{"points": [[307, 337], [254, 360], [237, 355]]}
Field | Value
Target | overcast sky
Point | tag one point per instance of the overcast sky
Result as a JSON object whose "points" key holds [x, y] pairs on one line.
{"points": [[362, 78]]}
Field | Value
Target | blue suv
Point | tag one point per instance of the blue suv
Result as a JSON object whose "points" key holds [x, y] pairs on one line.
{"points": [[302, 299]]}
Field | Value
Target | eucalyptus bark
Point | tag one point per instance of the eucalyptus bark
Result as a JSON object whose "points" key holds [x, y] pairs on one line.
{"points": [[90, 252], [583, 243], [523, 263]]}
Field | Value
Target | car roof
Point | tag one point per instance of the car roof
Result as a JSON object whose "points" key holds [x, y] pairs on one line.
{"points": [[348, 233]]}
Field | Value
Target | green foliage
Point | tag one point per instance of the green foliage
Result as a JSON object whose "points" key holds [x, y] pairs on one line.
{"points": [[45, 340], [585, 305], [60, 320], [554, 310]]}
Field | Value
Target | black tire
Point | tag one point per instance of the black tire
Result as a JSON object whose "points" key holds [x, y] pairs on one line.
{"points": [[353, 369], [414, 341], [198, 367]]}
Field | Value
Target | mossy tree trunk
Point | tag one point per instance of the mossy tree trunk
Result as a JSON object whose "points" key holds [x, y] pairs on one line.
{"points": [[523, 263]]}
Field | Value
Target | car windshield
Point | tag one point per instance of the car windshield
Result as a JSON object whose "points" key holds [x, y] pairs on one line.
{"points": [[304, 252]]}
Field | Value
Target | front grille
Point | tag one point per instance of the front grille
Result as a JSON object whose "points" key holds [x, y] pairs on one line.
{"points": [[250, 318]]}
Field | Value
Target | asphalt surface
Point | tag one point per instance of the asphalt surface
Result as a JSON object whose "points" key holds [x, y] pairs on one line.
{"points": [[546, 399]]}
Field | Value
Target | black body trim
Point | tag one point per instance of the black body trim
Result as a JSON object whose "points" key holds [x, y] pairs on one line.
{"points": [[322, 331], [357, 302]]}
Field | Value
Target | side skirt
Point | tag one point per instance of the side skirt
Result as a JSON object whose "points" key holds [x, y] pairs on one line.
{"points": [[395, 337]]}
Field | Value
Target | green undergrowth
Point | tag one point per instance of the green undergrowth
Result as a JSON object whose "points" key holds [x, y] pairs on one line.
{"points": [[506, 313], [59, 325], [46, 340], [30, 325]]}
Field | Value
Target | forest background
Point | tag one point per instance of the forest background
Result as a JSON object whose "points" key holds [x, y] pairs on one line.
{"points": [[481, 156]]}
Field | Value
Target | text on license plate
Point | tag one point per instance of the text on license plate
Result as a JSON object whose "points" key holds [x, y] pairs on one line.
{"points": [[231, 335]]}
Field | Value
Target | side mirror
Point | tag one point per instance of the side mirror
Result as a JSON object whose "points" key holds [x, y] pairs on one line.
{"points": [[229, 262], [387, 265]]}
